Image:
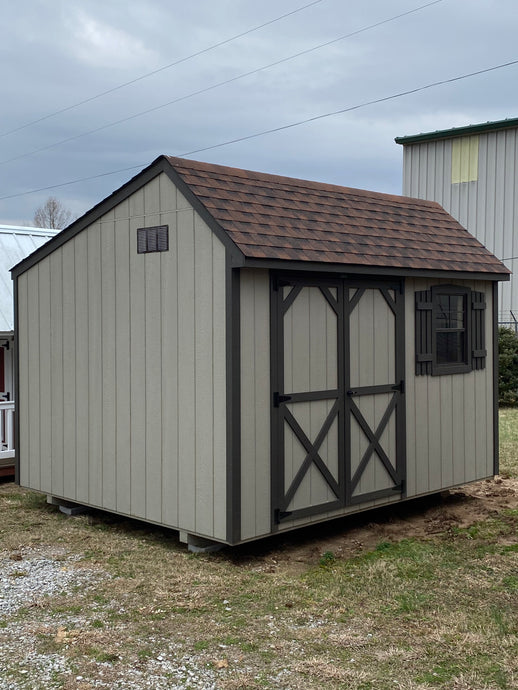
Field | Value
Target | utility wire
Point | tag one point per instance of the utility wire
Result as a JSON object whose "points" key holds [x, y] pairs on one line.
{"points": [[278, 129], [217, 85], [160, 69]]}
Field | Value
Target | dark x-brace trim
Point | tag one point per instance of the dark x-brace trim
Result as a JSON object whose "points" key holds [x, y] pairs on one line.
{"points": [[345, 487]]}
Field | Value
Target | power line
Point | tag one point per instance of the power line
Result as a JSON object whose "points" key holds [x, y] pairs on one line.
{"points": [[278, 129], [217, 85], [160, 69]]}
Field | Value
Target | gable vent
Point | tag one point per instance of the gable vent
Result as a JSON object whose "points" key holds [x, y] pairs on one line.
{"points": [[153, 239]]}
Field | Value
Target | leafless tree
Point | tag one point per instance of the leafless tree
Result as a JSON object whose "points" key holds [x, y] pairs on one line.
{"points": [[53, 215]]}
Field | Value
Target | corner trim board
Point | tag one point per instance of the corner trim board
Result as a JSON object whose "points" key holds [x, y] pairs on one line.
{"points": [[496, 436], [16, 386], [233, 377]]}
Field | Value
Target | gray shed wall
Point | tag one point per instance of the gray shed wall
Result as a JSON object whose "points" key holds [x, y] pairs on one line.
{"points": [[486, 205], [449, 419], [122, 367]]}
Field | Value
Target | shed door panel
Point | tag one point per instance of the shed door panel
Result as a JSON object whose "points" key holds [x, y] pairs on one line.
{"points": [[337, 420], [309, 406], [375, 389]]}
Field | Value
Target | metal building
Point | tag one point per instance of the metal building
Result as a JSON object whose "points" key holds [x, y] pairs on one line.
{"points": [[473, 173], [231, 354], [16, 242]]}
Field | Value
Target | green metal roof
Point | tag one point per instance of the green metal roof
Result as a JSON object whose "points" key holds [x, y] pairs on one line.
{"points": [[469, 130]]}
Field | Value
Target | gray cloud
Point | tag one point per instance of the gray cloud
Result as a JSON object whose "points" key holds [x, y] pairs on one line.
{"points": [[56, 54]]}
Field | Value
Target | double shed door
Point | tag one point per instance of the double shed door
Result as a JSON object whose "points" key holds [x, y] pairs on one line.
{"points": [[338, 421]]}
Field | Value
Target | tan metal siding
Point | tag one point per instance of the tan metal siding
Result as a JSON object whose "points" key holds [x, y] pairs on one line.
{"points": [[124, 356], [487, 206], [449, 418]]}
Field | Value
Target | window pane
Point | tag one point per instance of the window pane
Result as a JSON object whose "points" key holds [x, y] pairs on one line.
{"points": [[450, 347], [450, 311]]}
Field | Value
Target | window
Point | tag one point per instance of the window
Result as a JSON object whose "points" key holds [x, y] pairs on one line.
{"points": [[450, 336], [153, 239]]}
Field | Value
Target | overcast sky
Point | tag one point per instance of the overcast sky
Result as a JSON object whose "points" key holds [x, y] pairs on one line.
{"points": [[56, 54]]}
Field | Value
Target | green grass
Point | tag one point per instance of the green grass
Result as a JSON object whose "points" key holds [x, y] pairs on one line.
{"points": [[440, 612], [508, 441]]}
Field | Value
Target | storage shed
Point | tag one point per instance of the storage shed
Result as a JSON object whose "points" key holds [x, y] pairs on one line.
{"points": [[232, 354]]}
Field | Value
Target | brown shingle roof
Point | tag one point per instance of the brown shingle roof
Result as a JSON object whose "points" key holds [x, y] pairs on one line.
{"points": [[273, 217]]}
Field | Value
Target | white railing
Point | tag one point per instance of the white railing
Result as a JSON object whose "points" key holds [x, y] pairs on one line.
{"points": [[7, 429]]}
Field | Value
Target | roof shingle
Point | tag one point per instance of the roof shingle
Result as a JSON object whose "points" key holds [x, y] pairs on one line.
{"points": [[274, 217]]}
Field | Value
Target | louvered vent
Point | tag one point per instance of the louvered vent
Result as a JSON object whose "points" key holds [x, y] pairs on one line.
{"points": [[153, 239]]}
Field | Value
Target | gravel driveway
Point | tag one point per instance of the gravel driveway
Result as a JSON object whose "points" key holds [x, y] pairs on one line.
{"points": [[27, 579]]}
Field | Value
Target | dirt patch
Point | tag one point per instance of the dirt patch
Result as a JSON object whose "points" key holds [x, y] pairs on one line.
{"points": [[420, 518]]}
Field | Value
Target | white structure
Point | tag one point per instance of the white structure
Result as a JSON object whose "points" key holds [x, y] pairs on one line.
{"points": [[15, 244], [473, 173]]}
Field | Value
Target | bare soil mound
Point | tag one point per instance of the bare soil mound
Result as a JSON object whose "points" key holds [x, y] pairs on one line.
{"points": [[349, 536]]}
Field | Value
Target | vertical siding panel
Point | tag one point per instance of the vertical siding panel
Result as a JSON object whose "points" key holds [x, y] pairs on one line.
{"points": [[499, 187], [458, 430], [422, 430], [137, 360], [354, 357], [446, 430], [255, 403], [383, 372], [33, 309], [203, 378], [482, 227], [82, 407], [45, 411], [22, 394], [153, 385], [170, 403], [56, 370], [186, 366], [70, 365], [508, 192], [367, 404], [262, 402], [248, 405], [123, 420], [95, 368], [109, 364], [219, 404], [410, 385], [470, 472], [301, 353], [152, 363], [435, 474], [447, 184]]}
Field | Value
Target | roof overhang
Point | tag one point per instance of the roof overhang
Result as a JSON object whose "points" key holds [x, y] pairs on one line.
{"points": [[469, 130], [350, 269]]}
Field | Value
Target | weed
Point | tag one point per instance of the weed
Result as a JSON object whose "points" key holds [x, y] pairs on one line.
{"points": [[326, 559]]}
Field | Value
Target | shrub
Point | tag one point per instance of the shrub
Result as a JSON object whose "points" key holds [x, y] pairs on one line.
{"points": [[508, 366]]}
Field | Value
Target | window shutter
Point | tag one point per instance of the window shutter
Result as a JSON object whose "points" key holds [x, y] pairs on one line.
{"points": [[423, 332], [478, 340]]}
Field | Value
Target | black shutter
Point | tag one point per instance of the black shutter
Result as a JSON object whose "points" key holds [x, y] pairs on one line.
{"points": [[423, 332], [478, 338]]}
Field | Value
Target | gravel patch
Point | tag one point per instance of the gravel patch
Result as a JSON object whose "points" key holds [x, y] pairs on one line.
{"points": [[28, 576]]}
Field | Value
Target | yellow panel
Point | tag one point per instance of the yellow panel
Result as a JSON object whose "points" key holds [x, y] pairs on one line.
{"points": [[464, 160]]}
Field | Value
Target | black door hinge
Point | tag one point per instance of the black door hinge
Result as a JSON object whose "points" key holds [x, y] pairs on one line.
{"points": [[281, 515], [399, 387], [278, 399]]}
